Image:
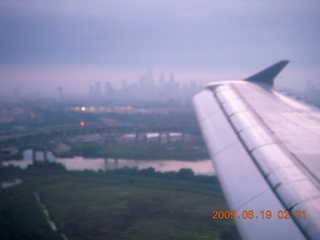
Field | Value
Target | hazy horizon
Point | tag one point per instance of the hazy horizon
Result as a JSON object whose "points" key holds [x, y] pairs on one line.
{"points": [[45, 44]]}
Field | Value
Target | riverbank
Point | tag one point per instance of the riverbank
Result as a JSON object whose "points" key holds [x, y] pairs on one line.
{"points": [[78, 163]]}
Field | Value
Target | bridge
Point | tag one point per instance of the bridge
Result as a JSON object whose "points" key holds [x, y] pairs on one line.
{"points": [[39, 139], [40, 135]]}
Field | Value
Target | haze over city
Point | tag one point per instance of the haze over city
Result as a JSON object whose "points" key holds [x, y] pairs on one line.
{"points": [[73, 44]]}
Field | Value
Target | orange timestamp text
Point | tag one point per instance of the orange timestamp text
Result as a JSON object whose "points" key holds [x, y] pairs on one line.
{"points": [[264, 214]]}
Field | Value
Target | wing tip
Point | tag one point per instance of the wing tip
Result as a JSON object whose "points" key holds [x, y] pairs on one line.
{"points": [[268, 75]]}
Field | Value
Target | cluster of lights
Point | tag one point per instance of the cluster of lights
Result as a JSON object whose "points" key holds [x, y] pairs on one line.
{"points": [[97, 109]]}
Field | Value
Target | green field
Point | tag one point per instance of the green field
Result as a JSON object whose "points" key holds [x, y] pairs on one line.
{"points": [[123, 204]]}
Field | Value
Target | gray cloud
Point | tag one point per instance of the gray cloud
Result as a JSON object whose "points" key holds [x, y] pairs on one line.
{"points": [[172, 34], [153, 32]]}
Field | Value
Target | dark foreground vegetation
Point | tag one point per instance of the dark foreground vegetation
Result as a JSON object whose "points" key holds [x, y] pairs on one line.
{"points": [[121, 204]]}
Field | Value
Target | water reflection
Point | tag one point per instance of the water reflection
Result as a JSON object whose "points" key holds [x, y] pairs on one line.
{"points": [[203, 167]]}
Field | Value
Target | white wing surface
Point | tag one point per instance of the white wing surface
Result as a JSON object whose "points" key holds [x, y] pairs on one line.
{"points": [[266, 151]]}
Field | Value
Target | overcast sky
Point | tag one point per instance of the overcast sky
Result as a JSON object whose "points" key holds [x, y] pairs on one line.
{"points": [[76, 43]]}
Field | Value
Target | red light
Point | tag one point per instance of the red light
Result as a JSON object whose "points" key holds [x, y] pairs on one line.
{"points": [[82, 123]]}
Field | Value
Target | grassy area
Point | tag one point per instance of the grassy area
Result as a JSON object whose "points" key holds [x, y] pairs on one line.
{"points": [[21, 217], [123, 204]]}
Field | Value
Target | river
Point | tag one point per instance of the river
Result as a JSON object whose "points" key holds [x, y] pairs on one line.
{"points": [[78, 163]]}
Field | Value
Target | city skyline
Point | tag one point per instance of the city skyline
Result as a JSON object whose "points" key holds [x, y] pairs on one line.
{"points": [[149, 86]]}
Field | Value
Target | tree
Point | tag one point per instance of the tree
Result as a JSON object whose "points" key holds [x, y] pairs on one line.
{"points": [[185, 174]]}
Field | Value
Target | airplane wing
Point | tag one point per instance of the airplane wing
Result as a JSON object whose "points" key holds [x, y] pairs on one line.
{"points": [[265, 148]]}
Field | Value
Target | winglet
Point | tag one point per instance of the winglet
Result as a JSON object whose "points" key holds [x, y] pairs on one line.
{"points": [[268, 75]]}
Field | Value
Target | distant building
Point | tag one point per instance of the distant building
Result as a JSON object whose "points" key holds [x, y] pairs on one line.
{"points": [[109, 90], [98, 89], [60, 94]]}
